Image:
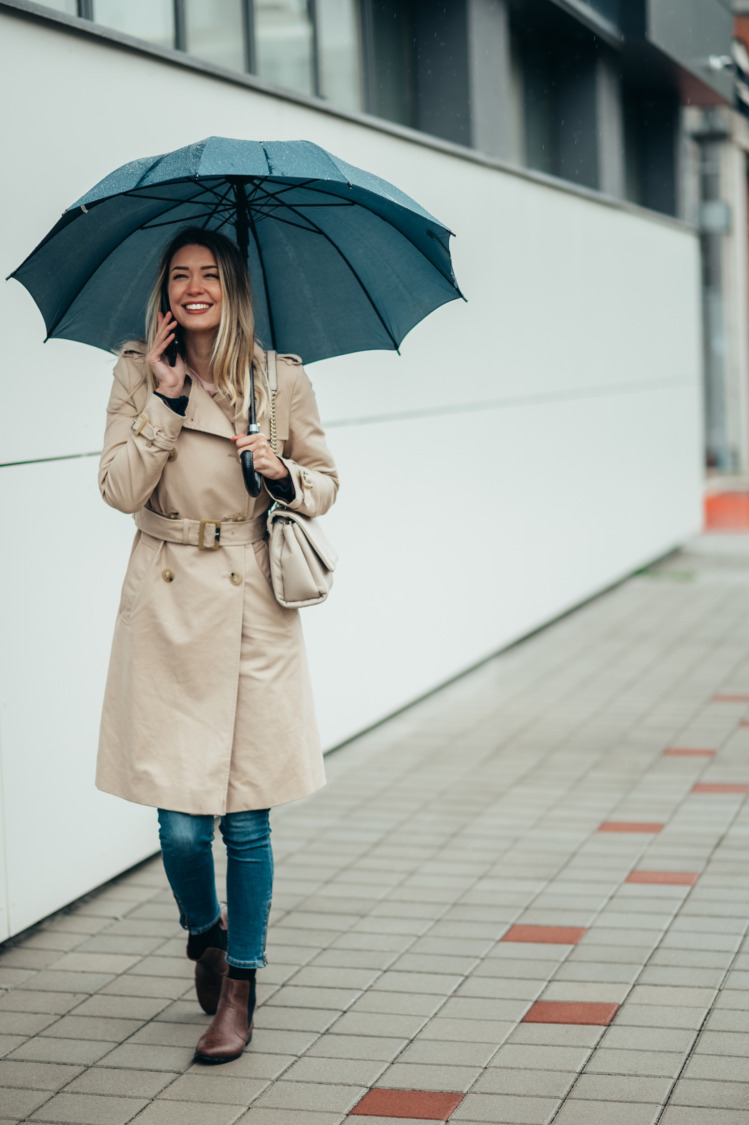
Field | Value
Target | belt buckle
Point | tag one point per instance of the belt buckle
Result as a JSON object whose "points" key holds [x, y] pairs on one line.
{"points": [[216, 525]]}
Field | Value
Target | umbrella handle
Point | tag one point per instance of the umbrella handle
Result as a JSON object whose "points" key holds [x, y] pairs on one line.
{"points": [[253, 482]]}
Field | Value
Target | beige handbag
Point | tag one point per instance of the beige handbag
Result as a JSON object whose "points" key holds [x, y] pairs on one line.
{"points": [[302, 560]]}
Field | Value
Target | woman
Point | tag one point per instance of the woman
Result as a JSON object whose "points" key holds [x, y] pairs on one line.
{"points": [[208, 709]]}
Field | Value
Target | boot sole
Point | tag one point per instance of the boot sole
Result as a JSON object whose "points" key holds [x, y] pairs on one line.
{"points": [[213, 1061]]}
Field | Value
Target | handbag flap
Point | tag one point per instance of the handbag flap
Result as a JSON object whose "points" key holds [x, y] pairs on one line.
{"points": [[312, 530]]}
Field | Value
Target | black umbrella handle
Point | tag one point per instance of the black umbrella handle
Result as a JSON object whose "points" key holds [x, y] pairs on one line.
{"points": [[253, 482]]}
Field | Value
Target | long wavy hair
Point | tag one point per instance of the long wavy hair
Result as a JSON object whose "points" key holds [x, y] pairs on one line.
{"points": [[234, 348]]}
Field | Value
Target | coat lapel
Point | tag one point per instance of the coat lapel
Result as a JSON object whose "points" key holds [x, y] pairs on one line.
{"points": [[206, 415]]}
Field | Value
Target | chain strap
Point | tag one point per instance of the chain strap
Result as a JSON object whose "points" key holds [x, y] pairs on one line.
{"points": [[273, 439]]}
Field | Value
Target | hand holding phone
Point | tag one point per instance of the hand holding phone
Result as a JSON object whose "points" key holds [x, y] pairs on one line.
{"points": [[164, 358]]}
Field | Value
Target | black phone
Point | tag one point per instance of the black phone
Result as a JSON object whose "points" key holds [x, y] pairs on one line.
{"points": [[176, 347]]}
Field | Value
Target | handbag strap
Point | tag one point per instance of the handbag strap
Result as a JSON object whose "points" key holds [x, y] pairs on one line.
{"points": [[271, 372]]}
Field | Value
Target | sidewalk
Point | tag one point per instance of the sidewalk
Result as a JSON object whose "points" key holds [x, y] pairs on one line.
{"points": [[524, 900]]}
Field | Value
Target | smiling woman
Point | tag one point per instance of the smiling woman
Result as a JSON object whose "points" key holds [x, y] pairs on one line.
{"points": [[208, 707]]}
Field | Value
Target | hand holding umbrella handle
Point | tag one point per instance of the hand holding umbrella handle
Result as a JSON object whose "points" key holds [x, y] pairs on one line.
{"points": [[253, 482]]}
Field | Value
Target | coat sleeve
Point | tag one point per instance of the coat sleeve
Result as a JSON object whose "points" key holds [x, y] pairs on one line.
{"points": [[313, 474], [140, 435]]}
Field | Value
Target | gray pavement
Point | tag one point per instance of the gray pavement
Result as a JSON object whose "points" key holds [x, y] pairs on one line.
{"points": [[524, 900]]}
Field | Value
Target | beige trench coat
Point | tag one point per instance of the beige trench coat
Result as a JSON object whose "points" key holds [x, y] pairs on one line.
{"points": [[208, 707]]}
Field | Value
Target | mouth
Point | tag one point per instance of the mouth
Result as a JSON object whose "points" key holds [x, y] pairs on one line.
{"points": [[196, 307]]}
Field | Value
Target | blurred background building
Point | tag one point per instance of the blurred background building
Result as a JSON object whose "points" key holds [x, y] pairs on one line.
{"points": [[528, 449]]}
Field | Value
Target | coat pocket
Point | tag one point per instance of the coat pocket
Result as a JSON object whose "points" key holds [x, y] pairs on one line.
{"points": [[142, 559], [262, 558]]}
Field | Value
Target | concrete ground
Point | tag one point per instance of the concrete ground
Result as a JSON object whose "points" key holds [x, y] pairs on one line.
{"points": [[525, 900]]}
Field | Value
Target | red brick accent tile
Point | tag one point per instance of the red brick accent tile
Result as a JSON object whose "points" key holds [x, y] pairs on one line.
{"points": [[427, 1105], [628, 826], [727, 511], [683, 752], [731, 698], [553, 935], [677, 878], [563, 1011], [744, 723], [719, 787]]}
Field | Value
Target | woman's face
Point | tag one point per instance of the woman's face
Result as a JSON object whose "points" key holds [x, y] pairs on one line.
{"points": [[194, 289]]}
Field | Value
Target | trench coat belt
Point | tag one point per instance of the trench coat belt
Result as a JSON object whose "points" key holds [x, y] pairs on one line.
{"points": [[206, 534]]}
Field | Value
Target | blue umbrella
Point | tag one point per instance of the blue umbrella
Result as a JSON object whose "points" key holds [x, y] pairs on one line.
{"points": [[340, 260]]}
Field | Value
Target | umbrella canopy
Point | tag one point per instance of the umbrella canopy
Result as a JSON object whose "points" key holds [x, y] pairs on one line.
{"points": [[340, 260]]}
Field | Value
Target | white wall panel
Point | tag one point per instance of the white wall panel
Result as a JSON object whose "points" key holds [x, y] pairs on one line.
{"points": [[65, 557], [528, 448]]}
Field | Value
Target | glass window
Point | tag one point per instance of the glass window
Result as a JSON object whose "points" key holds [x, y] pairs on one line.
{"points": [[214, 30], [68, 6], [152, 20], [391, 79], [284, 44], [339, 52]]}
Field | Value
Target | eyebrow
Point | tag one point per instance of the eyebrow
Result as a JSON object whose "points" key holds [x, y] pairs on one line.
{"points": [[186, 267]]}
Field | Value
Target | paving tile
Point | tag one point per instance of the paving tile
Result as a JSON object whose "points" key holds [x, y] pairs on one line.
{"points": [[685, 1115], [310, 1096], [557, 1034], [35, 1076], [213, 1088], [349, 1072], [54, 1003], [95, 962], [675, 878], [19, 1103], [120, 1083], [711, 1094], [180, 1113], [83, 1052], [24, 1023], [665, 1015], [686, 752], [561, 1011], [257, 1116], [627, 826], [577, 1112], [88, 1109], [556, 935], [410, 1104], [470, 1031], [619, 1088], [423, 1076], [447, 1052], [505, 1109], [528, 1083], [137, 1057], [54, 980], [92, 1027], [719, 787], [532, 1056], [642, 1063], [400, 1003]]}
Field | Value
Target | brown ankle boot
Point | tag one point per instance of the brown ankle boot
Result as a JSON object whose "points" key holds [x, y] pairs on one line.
{"points": [[210, 970], [231, 1029]]}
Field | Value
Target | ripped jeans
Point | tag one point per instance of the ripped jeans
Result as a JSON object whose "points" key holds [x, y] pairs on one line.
{"points": [[186, 841]]}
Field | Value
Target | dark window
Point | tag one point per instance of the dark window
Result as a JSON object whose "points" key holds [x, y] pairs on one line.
{"points": [[152, 20], [214, 31]]}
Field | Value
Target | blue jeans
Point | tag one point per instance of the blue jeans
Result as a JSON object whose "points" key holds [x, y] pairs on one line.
{"points": [[186, 841]]}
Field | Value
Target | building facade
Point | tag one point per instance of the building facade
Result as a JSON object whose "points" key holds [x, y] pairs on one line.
{"points": [[527, 449]]}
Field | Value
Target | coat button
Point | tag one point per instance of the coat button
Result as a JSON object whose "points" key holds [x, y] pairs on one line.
{"points": [[168, 575], [173, 455], [235, 579]]}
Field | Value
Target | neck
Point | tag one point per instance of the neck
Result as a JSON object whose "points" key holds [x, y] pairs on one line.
{"points": [[198, 349]]}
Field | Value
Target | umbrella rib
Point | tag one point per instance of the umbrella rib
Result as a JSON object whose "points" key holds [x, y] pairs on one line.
{"points": [[323, 234], [358, 203]]}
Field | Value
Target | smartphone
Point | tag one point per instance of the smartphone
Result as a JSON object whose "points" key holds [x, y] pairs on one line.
{"points": [[175, 348]]}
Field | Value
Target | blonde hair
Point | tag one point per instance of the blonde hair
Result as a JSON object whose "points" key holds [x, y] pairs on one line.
{"points": [[234, 349]]}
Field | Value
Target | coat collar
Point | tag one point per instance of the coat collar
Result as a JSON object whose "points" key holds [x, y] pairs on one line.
{"points": [[204, 413]]}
